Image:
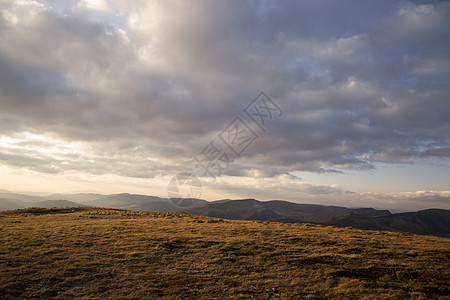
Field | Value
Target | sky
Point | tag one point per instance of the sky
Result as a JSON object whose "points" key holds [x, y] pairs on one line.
{"points": [[331, 102]]}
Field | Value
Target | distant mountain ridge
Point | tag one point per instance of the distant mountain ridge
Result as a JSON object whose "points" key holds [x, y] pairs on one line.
{"points": [[9, 201], [137, 202], [57, 203], [11, 204], [425, 222], [251, 209]]}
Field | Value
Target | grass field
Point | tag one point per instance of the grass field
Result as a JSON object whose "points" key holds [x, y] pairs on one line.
{"points": [[104, 253]]}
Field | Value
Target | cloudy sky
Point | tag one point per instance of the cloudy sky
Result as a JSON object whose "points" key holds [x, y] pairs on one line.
{"points": [[120, 96]]}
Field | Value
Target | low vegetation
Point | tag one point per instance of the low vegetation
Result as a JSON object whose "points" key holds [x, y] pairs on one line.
{"points": [[104, 253]]}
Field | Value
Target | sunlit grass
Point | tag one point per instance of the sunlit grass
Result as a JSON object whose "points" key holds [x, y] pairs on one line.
{"points": [[103, 253]]}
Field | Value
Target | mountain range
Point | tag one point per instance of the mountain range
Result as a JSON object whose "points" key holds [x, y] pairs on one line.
{"points": [[9, 201], [424, 222]]}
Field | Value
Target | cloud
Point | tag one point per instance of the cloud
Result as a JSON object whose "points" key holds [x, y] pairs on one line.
{"points": [[131, 81], [96, 5], [288, 187]]}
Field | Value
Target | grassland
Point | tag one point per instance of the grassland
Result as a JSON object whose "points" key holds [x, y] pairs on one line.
{"points": [[102, 253]]}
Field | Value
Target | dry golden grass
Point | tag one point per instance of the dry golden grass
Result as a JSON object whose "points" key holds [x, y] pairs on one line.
{"points": [[103, 253]]}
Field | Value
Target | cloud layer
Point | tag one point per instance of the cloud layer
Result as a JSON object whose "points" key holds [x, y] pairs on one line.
{"points": [[141, 87]]}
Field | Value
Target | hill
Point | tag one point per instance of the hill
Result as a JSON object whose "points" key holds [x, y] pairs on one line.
{"points": [[135, 202], [426, 222], [56, 203], [22, 197], [121, 201], [432, 221], [275, 210], [429, 221], [10, 204], [85, 252]]}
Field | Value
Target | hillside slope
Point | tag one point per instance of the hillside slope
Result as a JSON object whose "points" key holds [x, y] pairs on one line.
{"points": [[429, 221], [136, 202], [275, 210], [118, 254], [432, 221], [10, 201], [10, 204]]}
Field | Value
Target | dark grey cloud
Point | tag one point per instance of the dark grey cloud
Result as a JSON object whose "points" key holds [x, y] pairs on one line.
{"points": [[359, 82]]}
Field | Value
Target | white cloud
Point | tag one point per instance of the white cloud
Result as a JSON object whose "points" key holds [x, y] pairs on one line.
{"points": [[97, 5], [145, 85]]}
